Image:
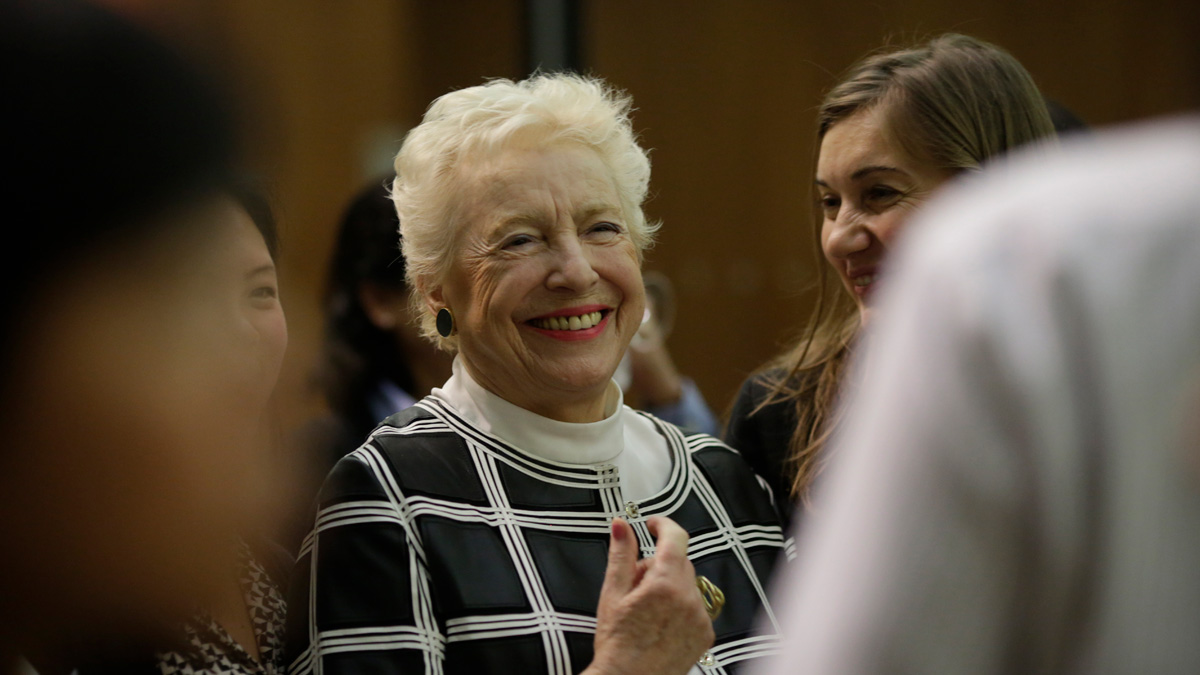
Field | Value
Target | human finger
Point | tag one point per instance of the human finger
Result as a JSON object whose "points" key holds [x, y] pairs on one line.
{"points": [[671, 540], [622, 572]]}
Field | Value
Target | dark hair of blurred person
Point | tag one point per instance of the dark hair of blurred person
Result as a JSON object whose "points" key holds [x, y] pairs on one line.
{"points": [[126, 466], [375, 361], [890, 133]]}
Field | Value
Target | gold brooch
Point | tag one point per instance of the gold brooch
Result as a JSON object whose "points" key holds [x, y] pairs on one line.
{"points": [[714, 599]]}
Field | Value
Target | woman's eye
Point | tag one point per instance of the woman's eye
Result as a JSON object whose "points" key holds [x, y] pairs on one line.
{"points": [[882, 193], [830, 203], [264, 293], [518, 241], [605, 228]]}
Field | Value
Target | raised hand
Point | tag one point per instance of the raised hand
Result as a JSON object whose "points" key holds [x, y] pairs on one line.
{"points": [[651, 618]]}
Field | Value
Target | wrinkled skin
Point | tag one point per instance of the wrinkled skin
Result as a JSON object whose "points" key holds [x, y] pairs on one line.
{"points": [[651, 618]]}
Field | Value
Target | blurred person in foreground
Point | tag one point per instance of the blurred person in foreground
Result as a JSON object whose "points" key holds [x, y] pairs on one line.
{"points": [[1016, 487], [240, 630], [128, 460], [900, 125], [521, 518]]}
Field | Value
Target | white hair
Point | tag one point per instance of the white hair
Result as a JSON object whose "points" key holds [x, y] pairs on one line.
{"points": [[478, 122]]}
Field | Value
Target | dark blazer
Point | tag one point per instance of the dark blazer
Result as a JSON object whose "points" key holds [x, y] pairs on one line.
{"points": [[763, 438]]}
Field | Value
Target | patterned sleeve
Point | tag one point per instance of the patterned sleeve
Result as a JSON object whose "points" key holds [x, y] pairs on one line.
{"points": [[360, 596]]}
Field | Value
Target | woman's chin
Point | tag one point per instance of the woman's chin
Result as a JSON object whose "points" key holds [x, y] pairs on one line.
{"points": [[584, 380], [864, 315]]}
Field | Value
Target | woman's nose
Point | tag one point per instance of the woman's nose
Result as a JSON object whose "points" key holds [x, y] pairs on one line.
{"points": [[572, 268], [849, 235]]}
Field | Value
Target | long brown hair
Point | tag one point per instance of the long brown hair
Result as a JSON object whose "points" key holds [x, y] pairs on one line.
{"points": [[952, 103]]}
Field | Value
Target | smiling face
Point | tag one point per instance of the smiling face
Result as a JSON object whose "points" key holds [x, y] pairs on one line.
{"points": [[545, 285], [249, 300], [868, 187]]}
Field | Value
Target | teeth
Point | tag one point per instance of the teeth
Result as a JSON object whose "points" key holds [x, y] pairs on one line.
{"points": [[579, 322], [865, 280]]}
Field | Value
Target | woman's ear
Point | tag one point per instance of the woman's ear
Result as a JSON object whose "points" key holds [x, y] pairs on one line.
{"points": [[433, 295]]}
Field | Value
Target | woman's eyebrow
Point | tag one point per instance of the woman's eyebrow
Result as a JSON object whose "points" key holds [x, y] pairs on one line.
{"points": [[591, 209], [515, 219], [268, 267], [866, 171]]}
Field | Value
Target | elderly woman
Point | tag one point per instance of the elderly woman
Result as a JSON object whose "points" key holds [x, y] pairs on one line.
{"points": [[521, 519], [897, 127]]}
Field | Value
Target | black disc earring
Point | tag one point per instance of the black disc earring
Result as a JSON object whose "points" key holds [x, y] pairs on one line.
{"points": [[445, 322]]}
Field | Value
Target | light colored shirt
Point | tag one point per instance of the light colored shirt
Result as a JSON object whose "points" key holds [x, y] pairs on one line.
{"points": [[1017, 484], [623, 438]]}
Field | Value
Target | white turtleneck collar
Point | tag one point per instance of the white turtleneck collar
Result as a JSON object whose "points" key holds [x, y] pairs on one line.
{"points": [[566, 442], [623, 438]]}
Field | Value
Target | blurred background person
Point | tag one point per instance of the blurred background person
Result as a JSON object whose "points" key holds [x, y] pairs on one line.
{"points": [[897, 127], [1016, 486], [129, 459], [1066, 122], [241, 631], [648, 373], [375, 361], [471, 531]]}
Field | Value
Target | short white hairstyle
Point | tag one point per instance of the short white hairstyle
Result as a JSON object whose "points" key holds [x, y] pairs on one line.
{"points": [[481, 121]]}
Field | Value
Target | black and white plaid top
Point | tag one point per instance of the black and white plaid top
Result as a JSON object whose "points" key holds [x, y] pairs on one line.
{"points": [[439, 548], [211, 651]]}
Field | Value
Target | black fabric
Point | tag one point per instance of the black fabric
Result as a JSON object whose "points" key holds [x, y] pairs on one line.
{"points": [[572, 566], [457, 553], [763, 438], [417, 566], [318, 445], [378, 591]]}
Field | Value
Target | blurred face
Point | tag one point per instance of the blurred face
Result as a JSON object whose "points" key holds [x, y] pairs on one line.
{"points": [[868, 188], [133, 456], [246, 291], [546, 286]]}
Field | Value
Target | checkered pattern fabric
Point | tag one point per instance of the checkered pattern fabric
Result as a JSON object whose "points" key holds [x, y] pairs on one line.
{"points": [[212, 651], [438, 548]]}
